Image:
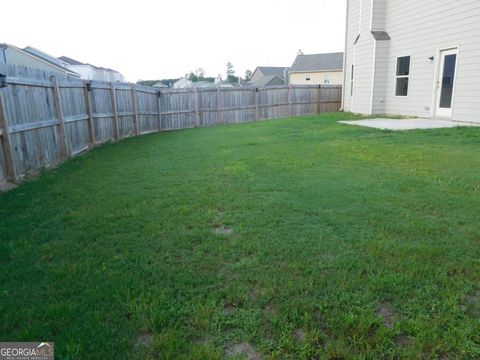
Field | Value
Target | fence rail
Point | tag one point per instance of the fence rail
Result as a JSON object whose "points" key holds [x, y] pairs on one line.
{"points": [[47, 118]]}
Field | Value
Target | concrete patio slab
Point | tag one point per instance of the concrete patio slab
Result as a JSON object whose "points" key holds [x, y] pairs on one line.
{"points": [[407, 124]]}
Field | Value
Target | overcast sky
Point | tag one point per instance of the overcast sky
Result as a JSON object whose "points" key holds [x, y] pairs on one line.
{"points": [[165, 39]]}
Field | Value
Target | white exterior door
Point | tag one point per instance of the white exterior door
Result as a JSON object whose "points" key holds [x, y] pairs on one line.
{"points": [[446, 82]]}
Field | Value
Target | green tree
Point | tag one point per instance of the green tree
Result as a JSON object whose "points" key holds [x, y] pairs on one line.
{"points": [[231, 78], [248, 75]]}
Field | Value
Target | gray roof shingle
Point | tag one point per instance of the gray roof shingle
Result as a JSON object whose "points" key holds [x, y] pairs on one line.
{"points": [[318, 62], [70, 60], [272, 70]]}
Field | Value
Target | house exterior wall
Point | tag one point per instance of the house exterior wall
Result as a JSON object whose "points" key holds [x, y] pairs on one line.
{"points": [[21, 58], [257, 75], [419, 29], [316, 78], [360, 55], [86, 72]]}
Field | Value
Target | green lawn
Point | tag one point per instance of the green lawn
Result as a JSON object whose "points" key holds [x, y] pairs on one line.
{"points": [[288, 239]]}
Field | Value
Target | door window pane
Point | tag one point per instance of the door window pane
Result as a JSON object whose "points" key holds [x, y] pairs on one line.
{"points": [[448, 80]]}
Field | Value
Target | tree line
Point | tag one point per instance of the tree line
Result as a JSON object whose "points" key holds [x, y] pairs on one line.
{"points": [[199, 75]]}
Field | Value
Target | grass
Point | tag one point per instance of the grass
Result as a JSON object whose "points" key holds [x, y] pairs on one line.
{"points": [[290, 239]]}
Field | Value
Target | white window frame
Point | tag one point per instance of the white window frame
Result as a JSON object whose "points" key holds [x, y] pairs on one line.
{"points": [[402, 76]]}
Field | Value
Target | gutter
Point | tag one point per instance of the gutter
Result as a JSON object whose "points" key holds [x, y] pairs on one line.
{"points": [[345, 59]]}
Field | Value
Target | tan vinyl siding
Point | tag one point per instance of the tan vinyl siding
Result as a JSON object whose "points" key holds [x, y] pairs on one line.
{"points": [[316, 78]]}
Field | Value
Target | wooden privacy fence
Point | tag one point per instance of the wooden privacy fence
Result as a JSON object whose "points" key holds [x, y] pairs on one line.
{"points": [[47, 118]]}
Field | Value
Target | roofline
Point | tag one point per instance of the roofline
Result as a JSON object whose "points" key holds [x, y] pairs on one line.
{"points": [[327, 53], [41, 60], [311, 71]]}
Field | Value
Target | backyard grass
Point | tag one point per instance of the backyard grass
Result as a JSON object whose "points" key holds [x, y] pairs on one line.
{"points": [[288, 239]]}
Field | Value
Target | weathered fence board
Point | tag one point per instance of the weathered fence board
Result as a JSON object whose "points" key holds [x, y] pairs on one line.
{"points": [[46, 118]]}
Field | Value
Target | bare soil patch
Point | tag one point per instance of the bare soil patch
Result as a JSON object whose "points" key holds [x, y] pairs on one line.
{"points": [[299, 336], [144, 339], [242, 350], [387, 313], [223, 230], [404, 341], [7, 186]]}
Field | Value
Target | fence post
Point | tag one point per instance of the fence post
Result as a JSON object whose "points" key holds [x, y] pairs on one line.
{"points": [[197, 111], [116, 132], [88, 105], [135, 111], [290, 107], [11, 172], [219, 108], [159, 105], [319, 98], [257, 110], [59, 113]]}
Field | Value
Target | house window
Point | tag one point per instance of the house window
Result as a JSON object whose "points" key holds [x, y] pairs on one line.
{"points": [[402, 76], [351, 80]]}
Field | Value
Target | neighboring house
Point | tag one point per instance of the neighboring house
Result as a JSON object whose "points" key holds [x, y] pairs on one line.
{"points": [[269, 80], [160, 85], [413, 58], [86, 71], [33, 58], [269, 76], [317, 69], [183, 83], [92, 72]]}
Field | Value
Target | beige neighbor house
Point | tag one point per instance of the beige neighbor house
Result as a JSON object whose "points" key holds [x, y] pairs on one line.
{"points": [[317, 69], [413, 58]]}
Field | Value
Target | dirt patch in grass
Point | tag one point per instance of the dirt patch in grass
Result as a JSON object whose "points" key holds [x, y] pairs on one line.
{"points": [[242, 350], [471, 302], [387, 313], [7, 186], [222, 230], [299, 336], [404, 341], [144, 340], [229, 309], [270, 310]]}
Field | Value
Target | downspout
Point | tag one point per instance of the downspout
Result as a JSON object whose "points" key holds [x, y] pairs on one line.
{"points": [[342, 108], [374, 62]]}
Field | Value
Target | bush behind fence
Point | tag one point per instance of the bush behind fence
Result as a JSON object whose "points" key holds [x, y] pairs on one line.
{"points": [[47, 118]]}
